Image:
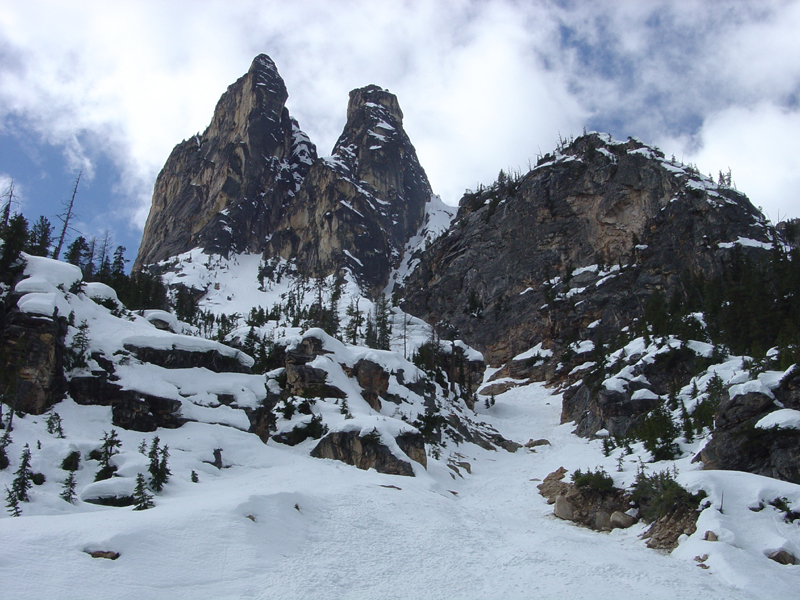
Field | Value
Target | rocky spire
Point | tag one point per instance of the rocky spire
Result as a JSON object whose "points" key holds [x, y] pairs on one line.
{"points": [[223, 190], [357, 208]]}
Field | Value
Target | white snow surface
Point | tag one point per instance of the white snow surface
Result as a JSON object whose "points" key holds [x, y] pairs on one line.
{"points": [[783, 418], [276, 523]]}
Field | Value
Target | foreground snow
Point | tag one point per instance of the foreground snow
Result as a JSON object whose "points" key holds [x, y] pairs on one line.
{"points": [[275, 523]]}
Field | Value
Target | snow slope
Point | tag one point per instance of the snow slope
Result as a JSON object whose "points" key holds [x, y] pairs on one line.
{"points": [[275, 523]]}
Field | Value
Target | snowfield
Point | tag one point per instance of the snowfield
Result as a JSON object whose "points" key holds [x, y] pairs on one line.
{"points": [[275, 523]]}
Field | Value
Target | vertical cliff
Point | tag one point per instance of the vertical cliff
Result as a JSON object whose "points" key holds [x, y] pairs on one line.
{"points": [[223, 190], [357, 208]]}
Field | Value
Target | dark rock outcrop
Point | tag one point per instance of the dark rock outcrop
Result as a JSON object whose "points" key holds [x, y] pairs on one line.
{"points": [[129, 409], [178, 358], [740, 446], [366, 452], [529, 260], [31, 361]]}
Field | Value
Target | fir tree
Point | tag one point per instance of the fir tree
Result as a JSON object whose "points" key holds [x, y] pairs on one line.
{"points": [[54, 425], [110, 447], [68, 491], [141, 497], [5, 440], [23, 476], [41, 237], [159, 471], [195, 478], [352, 330], [12, 503]]}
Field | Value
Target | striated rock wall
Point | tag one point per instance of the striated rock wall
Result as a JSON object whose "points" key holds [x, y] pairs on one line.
{"points": [[31, 361]]}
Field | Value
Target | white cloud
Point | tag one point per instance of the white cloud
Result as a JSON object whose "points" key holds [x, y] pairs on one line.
{"points": [[483, 85], [760, 145]]}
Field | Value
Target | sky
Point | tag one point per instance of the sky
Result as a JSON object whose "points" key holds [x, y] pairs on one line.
{"points": [[109, 88]]}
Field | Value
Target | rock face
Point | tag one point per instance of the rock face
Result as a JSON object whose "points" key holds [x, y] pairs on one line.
{"points": [[358, 208], [223, 190], [31, 363], [369, 452], [738, 445], [252, 182], [526, 260]]}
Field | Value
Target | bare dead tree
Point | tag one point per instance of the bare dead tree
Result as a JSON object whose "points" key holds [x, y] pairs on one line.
{"points": [[6, 212], [66, 217]]}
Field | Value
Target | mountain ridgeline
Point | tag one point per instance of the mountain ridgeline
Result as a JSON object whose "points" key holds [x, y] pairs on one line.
{"points": [[252, 182]]}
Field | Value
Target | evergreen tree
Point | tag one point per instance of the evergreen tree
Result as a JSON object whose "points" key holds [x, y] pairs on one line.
{"points": [[41, 237], [5, 440], [68, 491], [159, 471], [110, 447], [383, 323], [12, 503], [54, 425], [351, 331], [22, 477], [76, 252], [370, 335], [76, 352], [141, 497], [15, 239]]}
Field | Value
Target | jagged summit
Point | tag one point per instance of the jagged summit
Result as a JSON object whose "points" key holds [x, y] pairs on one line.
{"points": [[252, 182], [358, 207], [371, 95], [223, 190]]}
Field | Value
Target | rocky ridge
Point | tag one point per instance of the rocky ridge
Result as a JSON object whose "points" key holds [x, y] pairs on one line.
{"points": [[597, 211], [252, 182]]}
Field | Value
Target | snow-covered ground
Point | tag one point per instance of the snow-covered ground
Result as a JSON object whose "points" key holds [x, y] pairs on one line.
{"points": [[275, 523]]}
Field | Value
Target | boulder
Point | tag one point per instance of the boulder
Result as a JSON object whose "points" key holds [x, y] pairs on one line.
{"points": [[621, 520], [364, 452], [783, 557], [374, 381], [563, 508]]}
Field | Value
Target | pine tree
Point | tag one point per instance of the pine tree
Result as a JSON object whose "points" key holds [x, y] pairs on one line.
{"points": [[15, 239], [41, 237], [159, 471], [68, 491], [110, 447], [12, 503], [195, 478], [76, 252], [5, 440], [351, 331], [22, 477], [76, 353], [141, 497], [54, 425]]}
